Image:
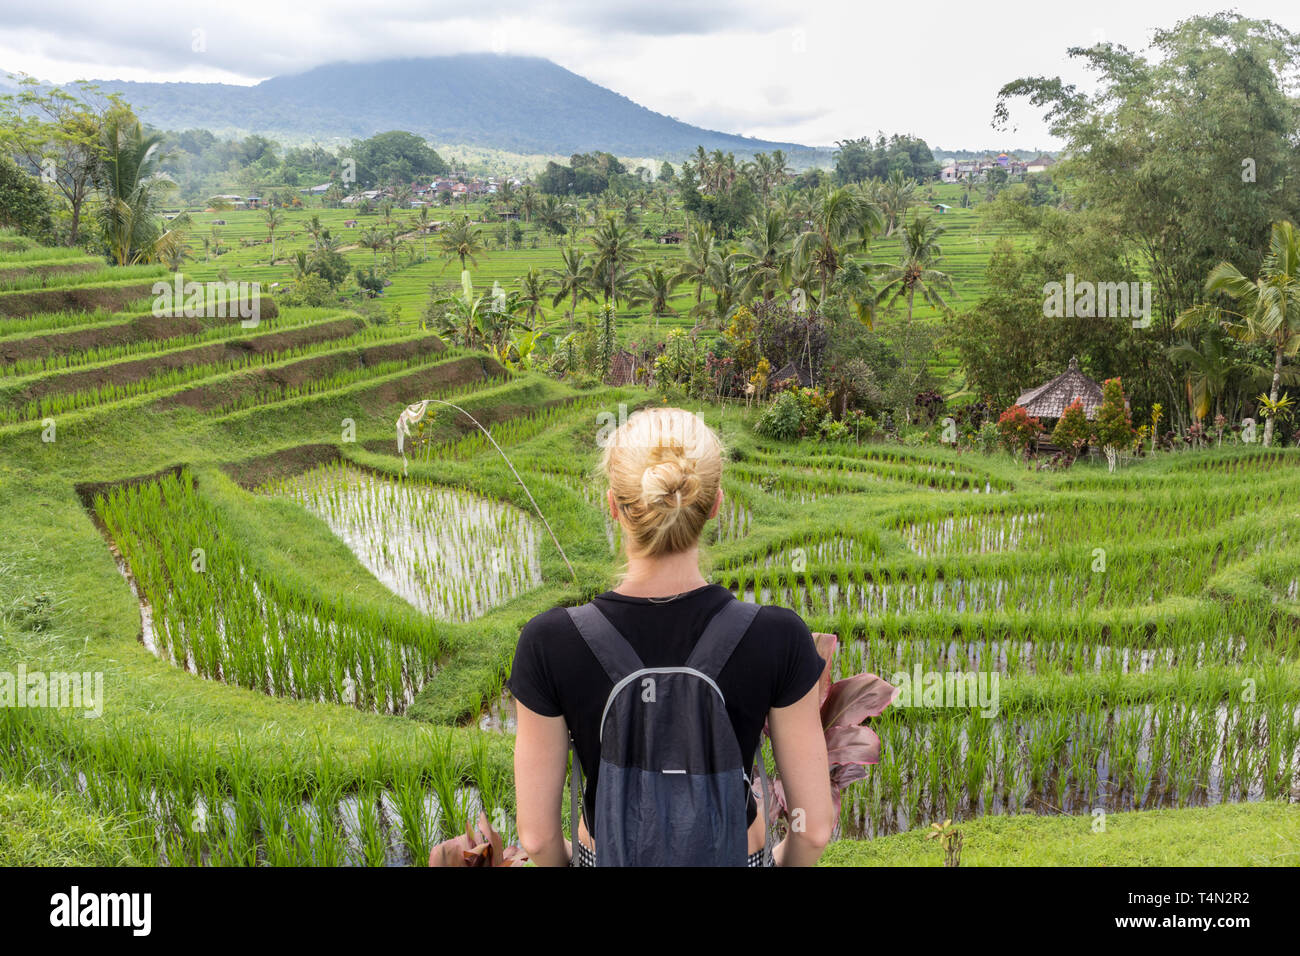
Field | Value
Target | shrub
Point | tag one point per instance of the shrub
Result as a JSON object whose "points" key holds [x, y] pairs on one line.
{"points": [[1114, 427], [795, 413], [987, 438], [370, 281], [25, 203], [833, 431], [1073, 430], [1017, 430], [309, 290]]}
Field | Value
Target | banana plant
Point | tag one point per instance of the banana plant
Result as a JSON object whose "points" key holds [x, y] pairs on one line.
{"points": [[516, 353]]}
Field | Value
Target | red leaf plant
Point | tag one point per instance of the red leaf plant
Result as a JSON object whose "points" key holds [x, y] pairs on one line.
{"points": [[850, 745], [463, 851]]}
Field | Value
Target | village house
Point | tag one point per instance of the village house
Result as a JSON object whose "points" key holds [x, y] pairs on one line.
{"points": [[977, 170], [370, 195], [1040, 164]]}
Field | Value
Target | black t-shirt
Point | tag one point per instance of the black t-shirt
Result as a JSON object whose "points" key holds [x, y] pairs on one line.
{"points": [[555, 674]]}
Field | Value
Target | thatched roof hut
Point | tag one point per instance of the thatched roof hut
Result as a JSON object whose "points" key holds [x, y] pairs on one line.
{"points": [[790, 371], [622, 368], [1051, 400]]}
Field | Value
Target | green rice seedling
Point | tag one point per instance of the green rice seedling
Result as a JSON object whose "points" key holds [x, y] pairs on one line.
{"points": [[409, 794], [371, 833], [225, 623], [449, 553], [330, 847], [978, 755], [446, 773], [300, 822]]}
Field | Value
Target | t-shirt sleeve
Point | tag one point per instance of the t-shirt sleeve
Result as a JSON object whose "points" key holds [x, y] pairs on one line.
{"points": [[801, 665], [531, 680]]}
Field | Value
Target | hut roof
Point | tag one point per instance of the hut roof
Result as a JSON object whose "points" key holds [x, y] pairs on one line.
{"points": [[1050, 400], [622, 368], [788, 370]]}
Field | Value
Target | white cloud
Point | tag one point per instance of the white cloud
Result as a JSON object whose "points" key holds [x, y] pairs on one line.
{"points": [[811, 72]]}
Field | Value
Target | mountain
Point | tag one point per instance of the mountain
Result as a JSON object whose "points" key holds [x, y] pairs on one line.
{"points": [[518, 103]]}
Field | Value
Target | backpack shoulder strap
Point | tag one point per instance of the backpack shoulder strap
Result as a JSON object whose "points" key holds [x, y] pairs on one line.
{"points": [[611, 648], [720, 638]]}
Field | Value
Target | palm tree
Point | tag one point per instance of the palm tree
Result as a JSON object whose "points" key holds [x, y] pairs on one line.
{"points": [[1269, 306], [274, 220], [631, 213], [316, 229], [505, 195], [837, 215], [764, 256], [134, 190], [529, 201], [914, 273], [1210, 367], [726, 284], [392, 243], [699, 253], [614, 250], [896, 196], [421, 223], [374, 240], [572, 280], [663, 205], [214, 237], [533, 288], [175, 255], [461, 241], [768, 171], [654, 287], [551, 213], [301, 263]]}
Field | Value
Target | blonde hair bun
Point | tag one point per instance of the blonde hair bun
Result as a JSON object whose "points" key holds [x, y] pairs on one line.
{"points": [[664, 466], [670, 484]]}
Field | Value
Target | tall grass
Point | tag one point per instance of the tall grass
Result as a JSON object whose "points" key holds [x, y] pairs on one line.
{"points": [[223, 621]]}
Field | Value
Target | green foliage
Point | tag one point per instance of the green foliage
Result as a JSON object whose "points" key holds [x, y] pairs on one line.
{"points": [[795, 413], [987, 439], [25, 206], [1017, 429], [395, 156], [586, 174], [370, 281], [309, 290], [1073, 430], [858, 160], [1114, 426]]}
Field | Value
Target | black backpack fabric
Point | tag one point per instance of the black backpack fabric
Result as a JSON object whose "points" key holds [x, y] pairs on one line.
{"points": [[673, 790]]}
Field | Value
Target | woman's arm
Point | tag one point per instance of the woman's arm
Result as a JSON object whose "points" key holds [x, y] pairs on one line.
{"points": [[799, 745], [541, 749]]}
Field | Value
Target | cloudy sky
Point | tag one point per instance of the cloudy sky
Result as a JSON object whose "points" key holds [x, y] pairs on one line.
{"points": [[811, 71]]}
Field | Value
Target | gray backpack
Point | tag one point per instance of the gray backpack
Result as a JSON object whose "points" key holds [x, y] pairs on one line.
{"points": [[673, 790]]}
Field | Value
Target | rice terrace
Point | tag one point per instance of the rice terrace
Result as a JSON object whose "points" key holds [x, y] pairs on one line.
{"points": [[294, 576]]}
